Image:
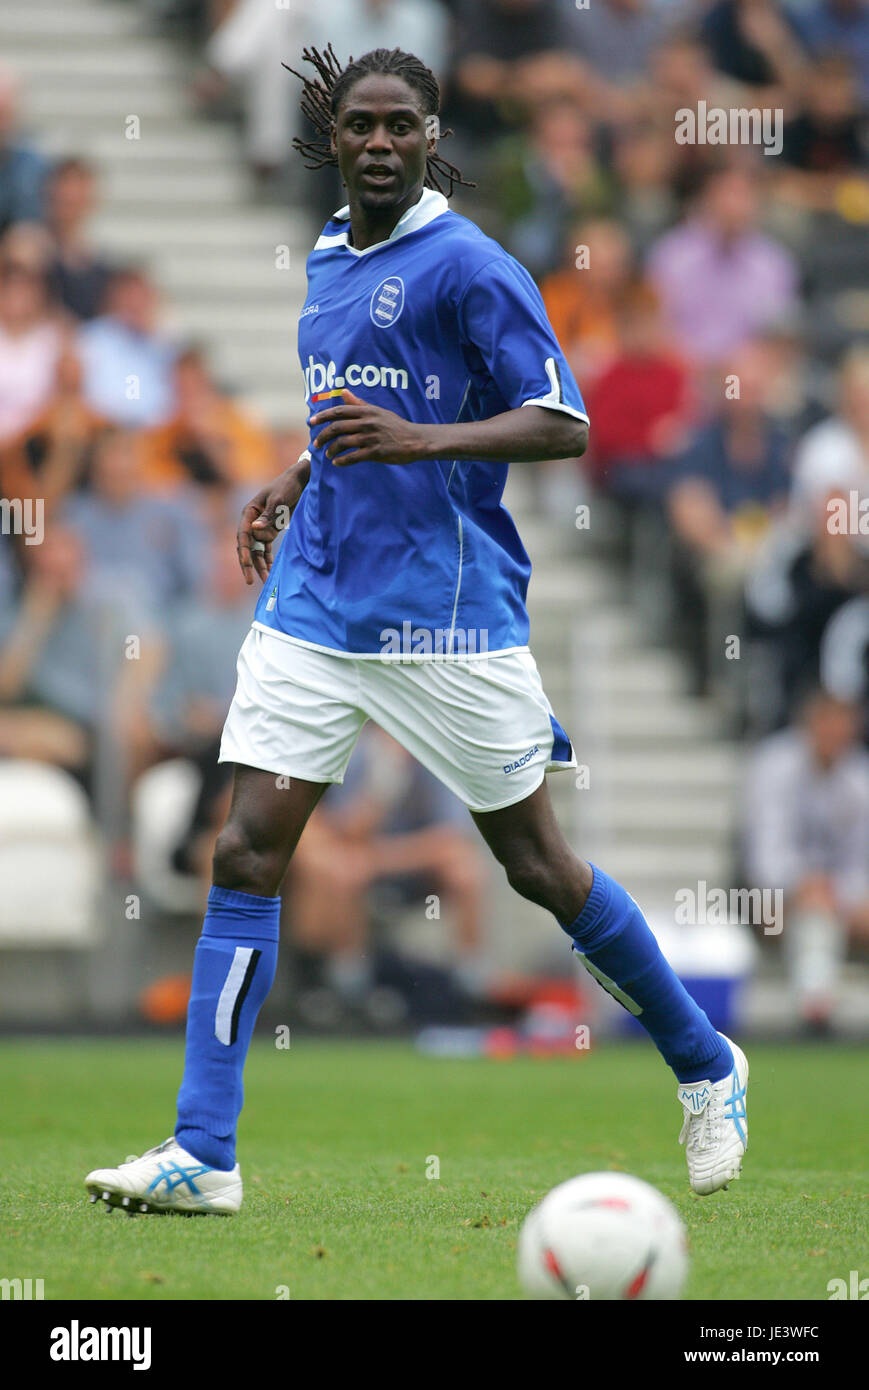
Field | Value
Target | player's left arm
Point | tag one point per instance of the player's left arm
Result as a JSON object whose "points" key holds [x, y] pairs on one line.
{"points": [[358, 430], [502, 327]]}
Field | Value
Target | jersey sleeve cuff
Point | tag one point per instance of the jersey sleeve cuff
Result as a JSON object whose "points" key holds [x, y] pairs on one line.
{"points": [[559, 405]]}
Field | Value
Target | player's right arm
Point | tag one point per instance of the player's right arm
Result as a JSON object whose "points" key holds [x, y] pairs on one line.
{"points": [[267, 514]]}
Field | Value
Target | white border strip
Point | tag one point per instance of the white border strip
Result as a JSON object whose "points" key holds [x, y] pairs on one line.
{"points": [[228, 995]]}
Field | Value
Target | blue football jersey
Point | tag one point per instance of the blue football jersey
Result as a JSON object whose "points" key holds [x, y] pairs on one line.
{"points": [[438, 324]]}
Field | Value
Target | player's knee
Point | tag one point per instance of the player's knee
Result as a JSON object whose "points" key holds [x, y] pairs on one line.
{"points": [[239, 864], [530, 875]]}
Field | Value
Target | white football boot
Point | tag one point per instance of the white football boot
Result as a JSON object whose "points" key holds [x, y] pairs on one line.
{"points": [[715, 1130], [166, 1179]]}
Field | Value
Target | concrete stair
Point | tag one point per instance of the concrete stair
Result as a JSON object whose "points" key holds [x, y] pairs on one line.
{"points": [[179, 197]]}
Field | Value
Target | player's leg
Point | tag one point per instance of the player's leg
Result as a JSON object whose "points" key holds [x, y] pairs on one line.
{"points": [[616, 945], [486, 729], [236, 956], [607, 929], [293, 713], [233, 971]]}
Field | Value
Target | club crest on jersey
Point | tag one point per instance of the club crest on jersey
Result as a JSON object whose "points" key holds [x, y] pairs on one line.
{"points": [[387, 302]]}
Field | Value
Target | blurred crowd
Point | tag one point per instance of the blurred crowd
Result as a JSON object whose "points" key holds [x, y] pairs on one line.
{"points": [[712, 299]]}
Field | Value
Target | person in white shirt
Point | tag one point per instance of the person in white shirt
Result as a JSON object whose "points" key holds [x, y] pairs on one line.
{"points": [[834, 455], [247, 47], [31, 342], [806, 832]]}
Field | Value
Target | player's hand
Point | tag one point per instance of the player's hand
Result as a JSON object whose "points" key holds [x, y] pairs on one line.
{"points": [[266, 515], [357, 431]]}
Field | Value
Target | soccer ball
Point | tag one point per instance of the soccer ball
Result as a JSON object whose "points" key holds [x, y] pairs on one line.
{"points": [[603, 1235]]}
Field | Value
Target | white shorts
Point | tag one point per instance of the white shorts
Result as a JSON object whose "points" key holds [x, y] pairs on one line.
{"points": [[482, 726]]}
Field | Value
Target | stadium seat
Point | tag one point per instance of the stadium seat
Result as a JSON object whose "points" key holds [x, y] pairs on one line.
{"points": [[162, 803], [50, 863]]}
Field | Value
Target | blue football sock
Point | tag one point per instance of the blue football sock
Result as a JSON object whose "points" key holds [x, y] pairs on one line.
{"points": [[233, 970], [617, 947]]}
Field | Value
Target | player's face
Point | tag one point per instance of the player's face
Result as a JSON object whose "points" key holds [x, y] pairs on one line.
{"points": [[381, 143]]}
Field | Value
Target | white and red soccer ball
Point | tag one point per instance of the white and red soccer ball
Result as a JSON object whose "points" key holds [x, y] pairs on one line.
{"points": [[603, 1236]]}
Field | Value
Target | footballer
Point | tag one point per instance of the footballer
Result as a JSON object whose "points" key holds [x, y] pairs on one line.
{"points": [[398, 595]]}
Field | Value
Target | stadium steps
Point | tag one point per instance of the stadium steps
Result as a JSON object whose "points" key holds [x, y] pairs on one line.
{"points": [[179, 197]]}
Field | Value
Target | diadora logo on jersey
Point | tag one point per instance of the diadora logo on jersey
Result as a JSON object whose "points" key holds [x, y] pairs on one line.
{"points": [[309, 309], [321, 381], [387, 302], [520, 762]]}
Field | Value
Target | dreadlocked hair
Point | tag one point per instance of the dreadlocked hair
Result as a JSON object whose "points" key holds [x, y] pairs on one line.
{"points": [[322, 95]]}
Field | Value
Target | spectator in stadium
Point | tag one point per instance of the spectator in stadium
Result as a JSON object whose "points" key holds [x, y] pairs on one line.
{"points": [[645, 169], [28, 243], [127, 361], [31, 334], [52, 457], [543, 178], [727, 486], [79, 276], [806, 831], [679, 76], [795, 393], [553, 77], [830, 133], [209, 440], [240, 55], [844, 658], [836, 26], [63, 672], [678, 73], [752, 42], [642, 405], [721, 279], [584, 298], [493, 41], [150, 542], [804, 573], [22, 169], [390, 828], [204, 632], [616, 38], [252, 34], [834, 455], [417, 26], [826, 145]]}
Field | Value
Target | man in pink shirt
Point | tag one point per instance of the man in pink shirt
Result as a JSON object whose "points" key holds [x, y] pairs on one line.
{"points": [[720, 278]]}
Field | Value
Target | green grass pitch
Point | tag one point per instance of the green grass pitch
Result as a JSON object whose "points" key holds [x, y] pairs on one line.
{"points": [[336, 1143]]}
